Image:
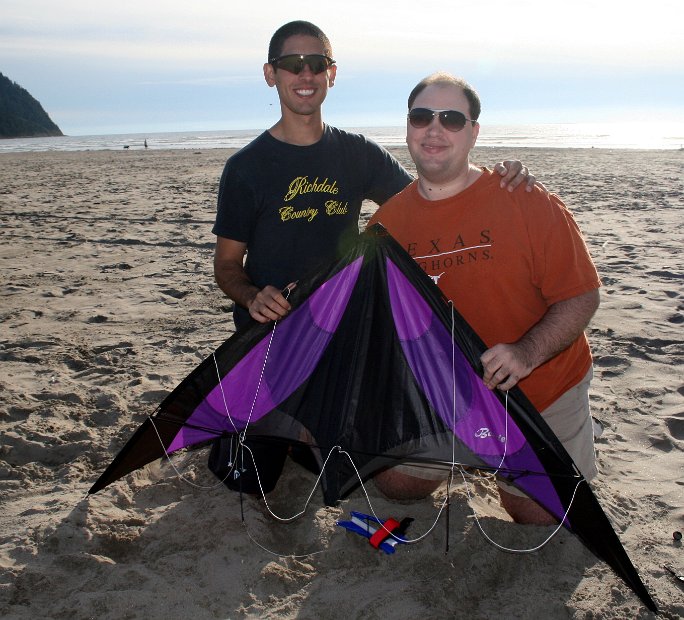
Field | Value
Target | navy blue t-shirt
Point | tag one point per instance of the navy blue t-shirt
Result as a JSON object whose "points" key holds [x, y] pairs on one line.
{"points": [[294, 205]]}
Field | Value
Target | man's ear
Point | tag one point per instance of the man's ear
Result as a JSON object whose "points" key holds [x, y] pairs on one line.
{"points": [[476, 132], [269, 74], [332, 73]]}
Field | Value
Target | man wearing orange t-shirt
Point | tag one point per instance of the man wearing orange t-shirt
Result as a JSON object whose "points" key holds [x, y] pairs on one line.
{"points": [[515, 266]]}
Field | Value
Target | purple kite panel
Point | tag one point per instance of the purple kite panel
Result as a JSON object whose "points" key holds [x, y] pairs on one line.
{"points": [[459, 397], [266, 376]]}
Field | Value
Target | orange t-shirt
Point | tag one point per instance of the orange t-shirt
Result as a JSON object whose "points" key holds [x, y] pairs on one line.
{"points": [[503, 258]]}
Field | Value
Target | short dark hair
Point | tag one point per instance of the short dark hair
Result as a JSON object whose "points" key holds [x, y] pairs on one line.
{"points": [[291, 29], [446, 79]]}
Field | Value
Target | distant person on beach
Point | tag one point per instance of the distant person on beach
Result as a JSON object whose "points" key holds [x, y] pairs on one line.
{"points": [[290, 198], [531, 285]]}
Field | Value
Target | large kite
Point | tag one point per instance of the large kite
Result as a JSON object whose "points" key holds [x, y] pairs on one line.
{"points": [[373, 362]]}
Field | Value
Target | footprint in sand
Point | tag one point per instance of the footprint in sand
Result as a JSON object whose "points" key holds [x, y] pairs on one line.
{"points": [[675, 424], [612, 365], [676, 319]]}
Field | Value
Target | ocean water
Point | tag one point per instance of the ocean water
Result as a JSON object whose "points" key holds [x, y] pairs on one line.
{"points": [[587, 135]]}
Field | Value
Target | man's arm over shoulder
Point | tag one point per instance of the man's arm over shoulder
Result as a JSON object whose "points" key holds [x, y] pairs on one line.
{"points": [[267, 304], [514, 173], [506, 364]]}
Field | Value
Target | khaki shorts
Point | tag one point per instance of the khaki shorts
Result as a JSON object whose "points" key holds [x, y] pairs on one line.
{"points": [[569, 418]]}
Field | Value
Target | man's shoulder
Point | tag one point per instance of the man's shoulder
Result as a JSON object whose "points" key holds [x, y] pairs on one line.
{"points": [[253, 148], [396, 206], [404, 197], [351, 139], [538, 210], [539, 202], [539, 197], [250, 157]]}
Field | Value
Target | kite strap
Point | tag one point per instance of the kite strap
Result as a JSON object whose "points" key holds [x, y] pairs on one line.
{"points": [[384, 532]]}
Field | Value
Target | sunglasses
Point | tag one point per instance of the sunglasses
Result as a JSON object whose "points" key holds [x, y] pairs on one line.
{"points": [[452, 120], [294, 63]]}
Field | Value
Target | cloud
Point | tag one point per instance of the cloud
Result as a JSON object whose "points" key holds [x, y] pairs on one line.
{"points": [[79, 56], [390, 32]]}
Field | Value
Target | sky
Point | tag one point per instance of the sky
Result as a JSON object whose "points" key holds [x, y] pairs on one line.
{"points": [[151, 65]]}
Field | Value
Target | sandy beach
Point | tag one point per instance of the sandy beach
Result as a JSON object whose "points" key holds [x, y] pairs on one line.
{"points": [[108, 301]]}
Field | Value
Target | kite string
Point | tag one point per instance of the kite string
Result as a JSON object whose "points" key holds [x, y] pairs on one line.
{"points": [[508, 549], [261, 377], [180, 475], [454, 464], [453, 385], [223, 394], [444, 503], [286, 292], [380, 521], [453, 426], [256, 391], [501, 462], [243, 446], [308, 499], [293, 556], [240, 436], [340, 450], [453, 402]]}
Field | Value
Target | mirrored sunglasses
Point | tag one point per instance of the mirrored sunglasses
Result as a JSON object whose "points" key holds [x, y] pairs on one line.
{"points": [[294, 63], [452, 120]]}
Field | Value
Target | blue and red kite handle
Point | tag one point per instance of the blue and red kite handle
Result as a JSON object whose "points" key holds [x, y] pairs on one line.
{"points": [[383, 535]]}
